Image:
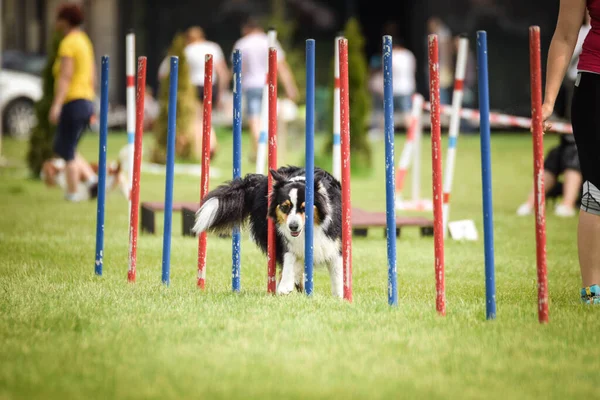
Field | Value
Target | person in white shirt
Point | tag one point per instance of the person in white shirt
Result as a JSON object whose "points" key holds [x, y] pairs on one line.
{"points": [[195, 54], [404, 65], [254, 47]]}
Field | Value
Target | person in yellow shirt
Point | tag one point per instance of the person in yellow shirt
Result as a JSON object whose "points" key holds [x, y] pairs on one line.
{"points": [[74, 93]]}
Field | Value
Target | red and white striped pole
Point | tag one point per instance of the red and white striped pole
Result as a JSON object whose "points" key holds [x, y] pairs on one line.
{"points": [[131, 108], [436, 160], [408, 148], [136, 170], [453, 131], [538, 170], [345, 144], [271, 245], [206, 129], [337, 153]]}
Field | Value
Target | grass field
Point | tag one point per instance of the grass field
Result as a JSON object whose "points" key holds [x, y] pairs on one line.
{"points": [[66, 333]]}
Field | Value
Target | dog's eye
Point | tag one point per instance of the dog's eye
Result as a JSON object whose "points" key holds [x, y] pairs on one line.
{"points": [[285, 208]]}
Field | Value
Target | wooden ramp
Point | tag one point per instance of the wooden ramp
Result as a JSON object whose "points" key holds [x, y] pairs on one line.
{"points": [[362, 220]]}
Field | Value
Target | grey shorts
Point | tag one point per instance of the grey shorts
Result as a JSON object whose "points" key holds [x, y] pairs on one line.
{"points": [[253, 97]]}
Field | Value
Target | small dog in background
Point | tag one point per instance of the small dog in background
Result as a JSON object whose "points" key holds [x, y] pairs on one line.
{"points": [[53, 174], [246, 200]]}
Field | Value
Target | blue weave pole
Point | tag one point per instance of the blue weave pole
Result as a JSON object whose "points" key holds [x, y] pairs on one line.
{"points": [[101, 199], [170, 166], [486, 173], [390, 182], [237, 165], [309, 199]]}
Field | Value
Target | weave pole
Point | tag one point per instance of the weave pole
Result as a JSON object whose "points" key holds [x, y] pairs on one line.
{"points": [[271, 248], [337, 152], [486, 173], [453, 130], [236, 246], [436, 160], [206, 128], [261, 152], [309, 200], [408, 150], [390, 189], [131, 107], [137, 162], [538, 170], [101, 199], [170, 168], [345, 147]]}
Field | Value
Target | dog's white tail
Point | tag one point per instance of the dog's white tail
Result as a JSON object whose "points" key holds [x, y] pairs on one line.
{"points": [[206, 215]]}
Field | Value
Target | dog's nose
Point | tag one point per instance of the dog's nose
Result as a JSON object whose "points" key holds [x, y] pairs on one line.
{"points": [[294, 226]]}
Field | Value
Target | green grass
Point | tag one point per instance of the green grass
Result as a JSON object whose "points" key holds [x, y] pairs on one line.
{"points": [[65, 333]]}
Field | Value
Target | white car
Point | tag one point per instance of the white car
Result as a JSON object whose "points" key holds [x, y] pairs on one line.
{"points": [[20, 89]]}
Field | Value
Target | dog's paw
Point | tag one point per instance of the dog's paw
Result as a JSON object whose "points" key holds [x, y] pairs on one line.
{"points": [[285, 287]]}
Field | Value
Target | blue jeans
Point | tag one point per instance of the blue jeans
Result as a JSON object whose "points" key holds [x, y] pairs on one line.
{"points": [[253, 101], [402, 103]]}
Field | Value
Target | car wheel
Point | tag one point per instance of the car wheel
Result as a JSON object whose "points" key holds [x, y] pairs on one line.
{"points": [[20, 118]]}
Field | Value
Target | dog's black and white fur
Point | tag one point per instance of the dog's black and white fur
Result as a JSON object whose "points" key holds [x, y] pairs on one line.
{"points": [[246, 200]]}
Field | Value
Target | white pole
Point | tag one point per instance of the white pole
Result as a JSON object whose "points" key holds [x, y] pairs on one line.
{"points": [[459, 77], [1, 49], [130, 73], [337, 150], [261, 154], [416, 161], [408, 149]]}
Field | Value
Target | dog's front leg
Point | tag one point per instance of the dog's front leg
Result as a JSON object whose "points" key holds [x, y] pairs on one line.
{"points": [[286, 284], [336, 276], [299, 275]]}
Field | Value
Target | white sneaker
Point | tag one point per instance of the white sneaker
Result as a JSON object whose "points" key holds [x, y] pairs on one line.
{"points": [[524, 209], [563, 211], [74, 197]]}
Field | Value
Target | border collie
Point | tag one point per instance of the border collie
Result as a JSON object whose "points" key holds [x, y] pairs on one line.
{"points": [[246, 200]]}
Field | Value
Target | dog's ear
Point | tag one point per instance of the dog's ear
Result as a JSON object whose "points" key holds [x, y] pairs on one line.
{"points": [[277, 177], [319, 186]]}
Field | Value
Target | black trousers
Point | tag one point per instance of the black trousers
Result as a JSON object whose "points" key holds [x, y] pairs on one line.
{"points": [[585, 115]]}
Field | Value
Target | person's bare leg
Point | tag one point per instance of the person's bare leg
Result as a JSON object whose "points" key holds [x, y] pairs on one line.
{"points": [[549, 182], [588, 246], [254, 124], [72, 174], [86, 173], [198, 128], [571, 187]]}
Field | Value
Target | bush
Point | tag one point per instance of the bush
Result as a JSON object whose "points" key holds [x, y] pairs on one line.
{"points": [[186, 109], [360, 103], [42, 135]]}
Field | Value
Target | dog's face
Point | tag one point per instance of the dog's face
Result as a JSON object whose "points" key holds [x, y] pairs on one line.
{"points": [[288, 206]]}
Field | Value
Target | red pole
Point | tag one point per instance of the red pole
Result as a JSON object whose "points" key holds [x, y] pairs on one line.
{"points": [[206, 129], [345, 144], [436, 161], [271, 254], [538, 170], [137, 161]]}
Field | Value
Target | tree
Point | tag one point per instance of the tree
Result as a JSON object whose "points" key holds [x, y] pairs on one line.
{"points": [[360, 102], [186, 108], [42, 135]]}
